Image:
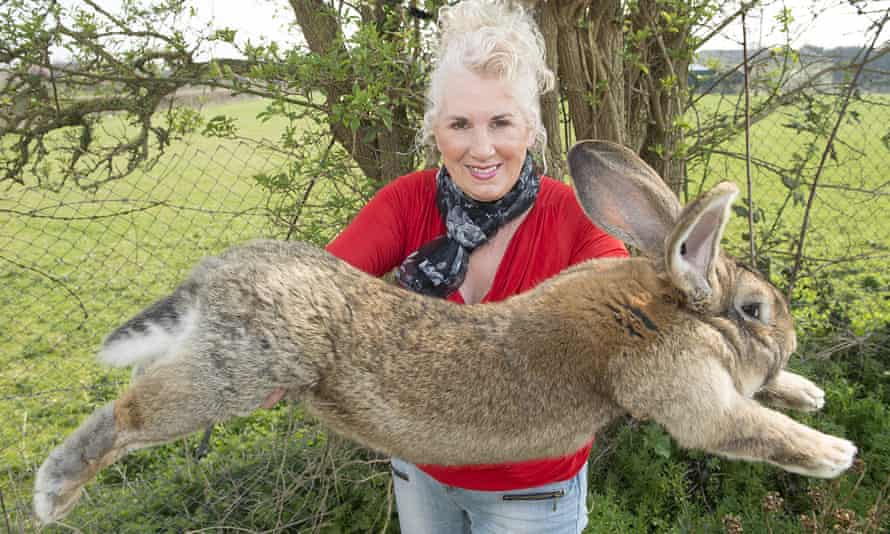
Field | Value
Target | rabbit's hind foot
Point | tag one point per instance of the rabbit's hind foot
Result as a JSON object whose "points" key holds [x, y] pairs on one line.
{"points": [[72, 464]]}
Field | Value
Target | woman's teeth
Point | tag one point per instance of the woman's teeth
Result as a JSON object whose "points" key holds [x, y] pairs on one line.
{"points": [[484, 172]]}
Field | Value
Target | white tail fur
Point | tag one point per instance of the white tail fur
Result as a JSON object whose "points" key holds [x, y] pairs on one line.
{"points": [[152, 343]]}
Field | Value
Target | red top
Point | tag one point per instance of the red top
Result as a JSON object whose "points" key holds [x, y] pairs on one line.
{"points": [[554, 235]]}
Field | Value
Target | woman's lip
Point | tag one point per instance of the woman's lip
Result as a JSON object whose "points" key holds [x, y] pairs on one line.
{"points": [[486, 172]]}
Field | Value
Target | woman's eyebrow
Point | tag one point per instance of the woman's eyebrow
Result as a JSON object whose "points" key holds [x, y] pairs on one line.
{"points": [[500, 116]]}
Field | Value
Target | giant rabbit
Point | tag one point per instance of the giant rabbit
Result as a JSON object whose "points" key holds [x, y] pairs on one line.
{"points": [[683, 335]]}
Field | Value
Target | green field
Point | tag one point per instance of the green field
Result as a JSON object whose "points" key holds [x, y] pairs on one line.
{"points": [[74, 267]]}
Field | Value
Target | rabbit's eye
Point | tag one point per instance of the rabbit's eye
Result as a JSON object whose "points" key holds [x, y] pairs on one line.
{"points": [[752, 310]]}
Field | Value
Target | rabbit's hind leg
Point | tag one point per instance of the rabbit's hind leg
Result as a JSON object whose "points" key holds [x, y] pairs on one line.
{"points": [[72, 464], [159, 407]]}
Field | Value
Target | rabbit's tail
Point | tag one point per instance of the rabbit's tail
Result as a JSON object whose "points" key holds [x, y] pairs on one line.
{"points": [[155, 332]]}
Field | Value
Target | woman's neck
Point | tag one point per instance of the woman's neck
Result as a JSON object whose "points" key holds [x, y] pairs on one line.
{"points": [[485, 261]]}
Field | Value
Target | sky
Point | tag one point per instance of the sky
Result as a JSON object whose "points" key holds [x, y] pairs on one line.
{"points": [[824, 23], [837, 23]]}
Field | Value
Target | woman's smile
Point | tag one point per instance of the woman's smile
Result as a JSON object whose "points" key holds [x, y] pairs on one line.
{"points": [[484, 173]]}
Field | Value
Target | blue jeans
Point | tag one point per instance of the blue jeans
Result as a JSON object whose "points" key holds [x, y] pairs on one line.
{"points": [[426, 506]]}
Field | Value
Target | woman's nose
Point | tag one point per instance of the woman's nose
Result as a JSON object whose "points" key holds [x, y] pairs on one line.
{"points": [[483, 144]]}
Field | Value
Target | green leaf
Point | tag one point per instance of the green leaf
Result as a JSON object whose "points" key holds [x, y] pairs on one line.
{"points": [[220, 126], [790, 182], [226, 35]]}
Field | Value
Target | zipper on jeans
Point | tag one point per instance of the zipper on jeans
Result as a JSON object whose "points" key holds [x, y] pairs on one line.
{"points": [[542, 496]]}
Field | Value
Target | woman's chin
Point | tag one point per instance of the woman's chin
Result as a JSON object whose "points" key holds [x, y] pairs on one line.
{"points": [[486, 194]]}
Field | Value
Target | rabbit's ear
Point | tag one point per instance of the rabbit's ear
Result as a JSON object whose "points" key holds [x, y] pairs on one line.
{"points": [[694, 242], [623, 195]]}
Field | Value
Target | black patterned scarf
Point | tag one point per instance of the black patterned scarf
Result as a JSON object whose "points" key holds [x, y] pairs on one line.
{"points": [[439, 266]]}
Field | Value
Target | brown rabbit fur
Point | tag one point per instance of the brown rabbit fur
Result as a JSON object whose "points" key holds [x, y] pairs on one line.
{"points": [[684, 336]]}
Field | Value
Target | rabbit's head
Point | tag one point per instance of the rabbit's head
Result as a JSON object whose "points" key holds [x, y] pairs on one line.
{"points": [[627, 198]]}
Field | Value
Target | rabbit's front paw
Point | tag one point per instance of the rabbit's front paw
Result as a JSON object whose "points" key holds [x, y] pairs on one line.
{"points": [[810, 396], [789, 390], [832, 457]]}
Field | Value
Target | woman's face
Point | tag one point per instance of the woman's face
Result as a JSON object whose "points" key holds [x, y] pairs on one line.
{"points": [[482, 135]]}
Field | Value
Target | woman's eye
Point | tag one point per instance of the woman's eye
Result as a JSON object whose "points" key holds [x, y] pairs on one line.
{"points": [[460, 125], [752, 310], [500, 123]]}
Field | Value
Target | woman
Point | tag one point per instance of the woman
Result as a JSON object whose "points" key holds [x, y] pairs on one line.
{"points": [[481, 228]]}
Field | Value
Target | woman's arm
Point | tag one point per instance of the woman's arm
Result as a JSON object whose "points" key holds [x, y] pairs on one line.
{"points": [[375, 239]]}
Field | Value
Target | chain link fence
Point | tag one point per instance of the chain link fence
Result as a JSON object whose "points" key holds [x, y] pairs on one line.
{"points": [[75, 263], [815, 174]]}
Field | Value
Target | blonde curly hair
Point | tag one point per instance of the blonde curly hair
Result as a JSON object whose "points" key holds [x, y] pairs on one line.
{"points": [[493, 39]]}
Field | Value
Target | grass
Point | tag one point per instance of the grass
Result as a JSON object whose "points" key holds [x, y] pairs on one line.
{"points": [[72, 270]]}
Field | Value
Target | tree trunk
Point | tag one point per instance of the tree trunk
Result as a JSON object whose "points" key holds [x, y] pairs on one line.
{"points": [[555, 150], [666, 52], [574, 72], [584, 45], [394, 145], [630, 96], [388, 154], [605, 48]]}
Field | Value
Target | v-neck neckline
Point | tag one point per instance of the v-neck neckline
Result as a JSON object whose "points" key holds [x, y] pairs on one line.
{"points": [[499, 271]]}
